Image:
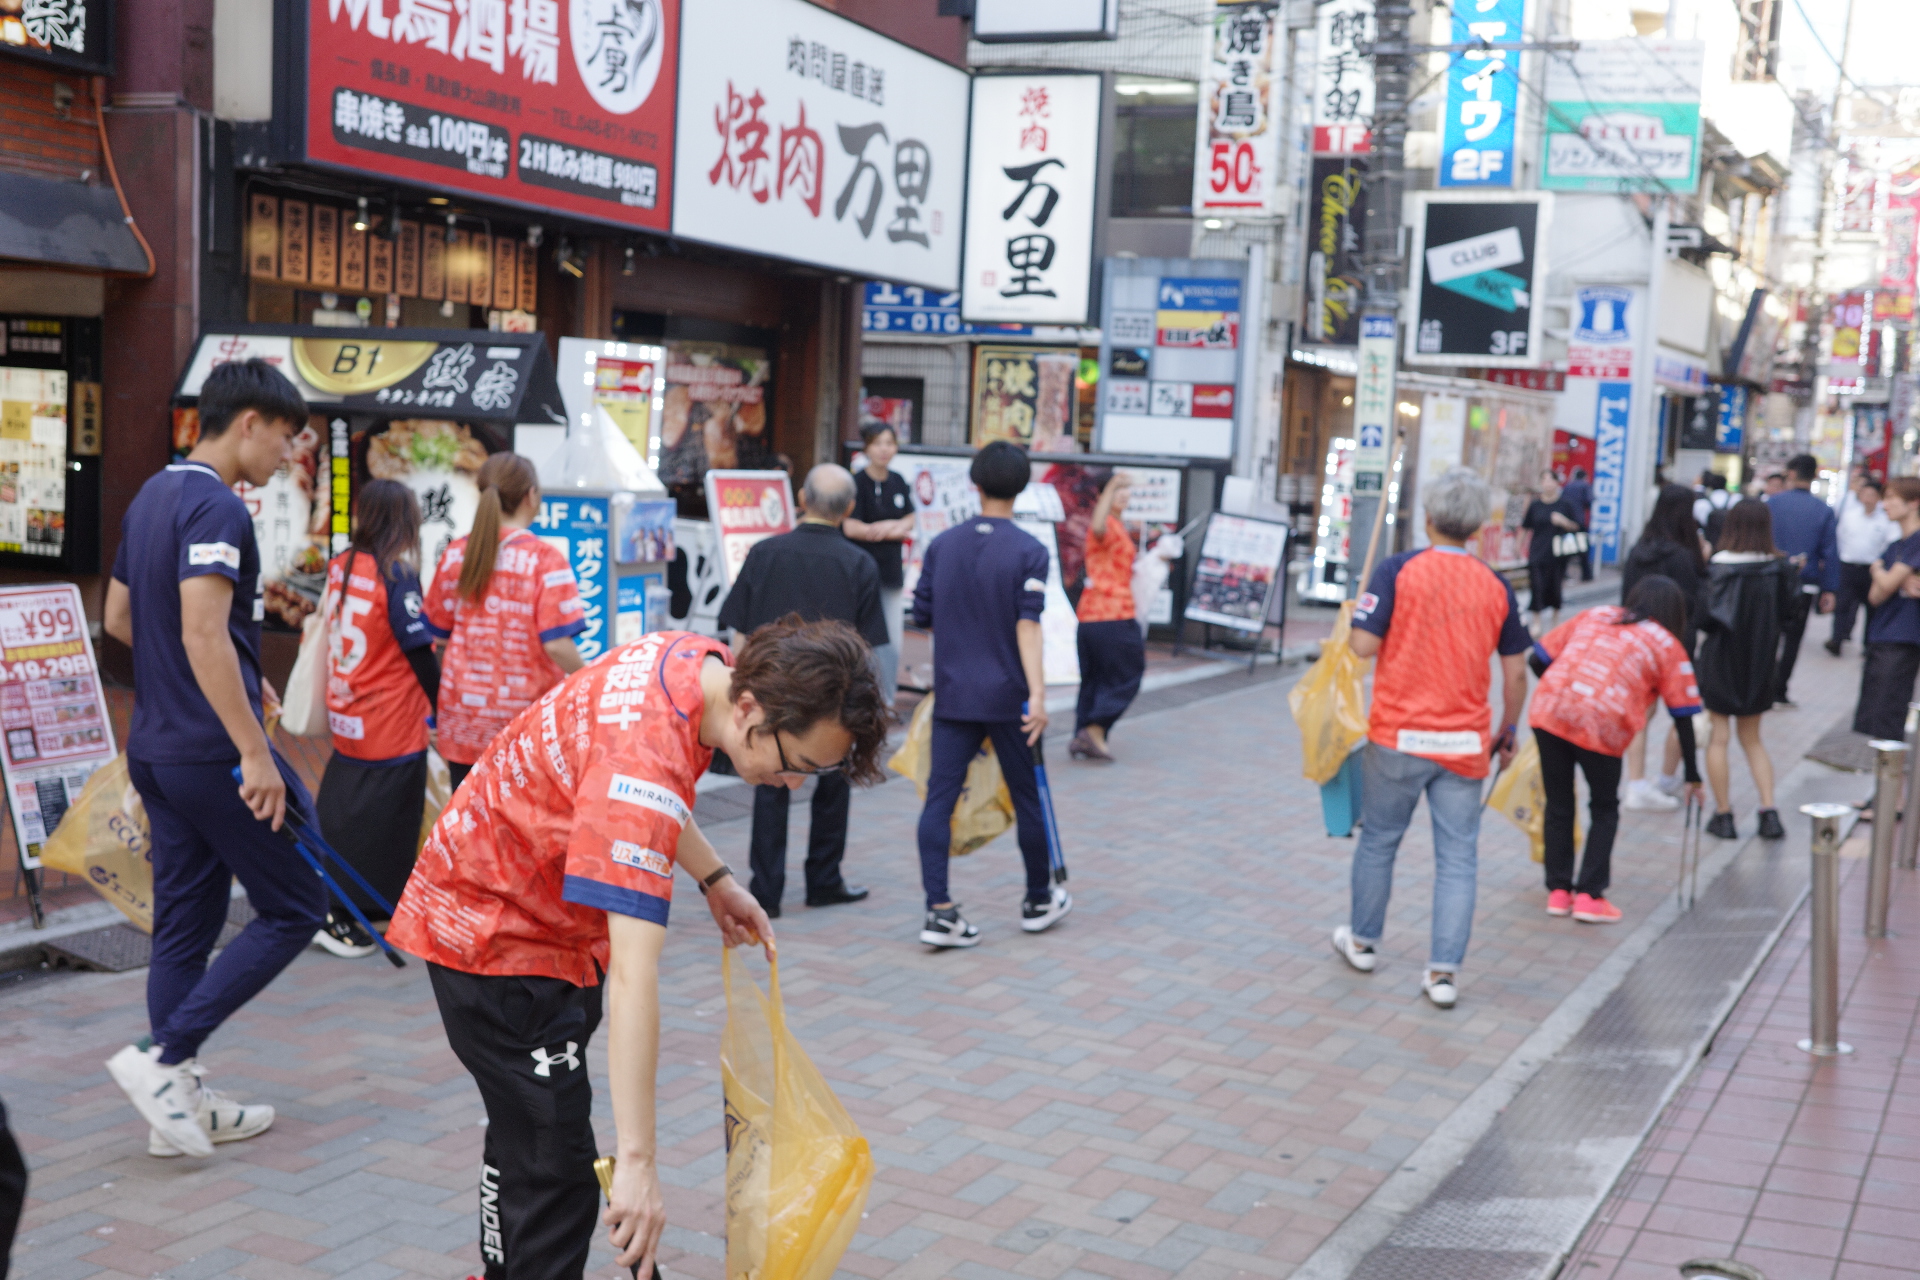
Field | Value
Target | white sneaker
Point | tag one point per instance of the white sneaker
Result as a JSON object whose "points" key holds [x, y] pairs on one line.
{"points": [[1672, 784], [948, 928], [1037, 916], [1438, 984], [168, 1096], [1357, 954], [1647, 798], [343, 936], [222, 1118]]}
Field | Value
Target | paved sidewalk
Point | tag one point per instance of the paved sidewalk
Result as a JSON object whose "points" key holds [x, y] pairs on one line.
{"points": [[1808, 1169], [1179, 1080]]}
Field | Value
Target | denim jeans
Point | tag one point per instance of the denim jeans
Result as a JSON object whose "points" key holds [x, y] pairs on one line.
{"points": [[1393, 784]]}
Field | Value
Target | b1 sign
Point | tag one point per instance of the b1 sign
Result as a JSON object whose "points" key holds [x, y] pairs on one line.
{"points": [[561, 105], [1033, 150], [811, 138]]}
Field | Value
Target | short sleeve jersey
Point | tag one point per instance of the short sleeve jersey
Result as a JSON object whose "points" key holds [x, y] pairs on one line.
{"points": [[1108, 595], [1898, 620], [495, 664], [576, 811], [375, 706], [1602, 676], [1441, 615], [185, 523], [979, 581], [877, 501]]}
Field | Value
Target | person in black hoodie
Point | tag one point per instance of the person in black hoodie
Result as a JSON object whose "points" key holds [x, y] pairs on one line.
{"points": [[1548, 516], [1752, 593], [1670, 547]]}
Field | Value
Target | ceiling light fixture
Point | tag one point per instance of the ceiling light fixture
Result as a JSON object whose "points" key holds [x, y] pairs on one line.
{"points": [[360, 218]]}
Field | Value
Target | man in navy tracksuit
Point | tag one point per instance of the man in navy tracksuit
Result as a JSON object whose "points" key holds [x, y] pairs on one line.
{"points": [[185, 597], [982, 586], [1805, 529]]}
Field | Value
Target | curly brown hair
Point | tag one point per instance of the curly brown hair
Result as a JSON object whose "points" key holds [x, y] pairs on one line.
{"points": [[804, 672]]}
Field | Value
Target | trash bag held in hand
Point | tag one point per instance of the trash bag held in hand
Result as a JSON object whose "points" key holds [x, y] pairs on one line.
{"points": [[985, 806], [1329, 704], [103, 839], [797, 1168], [1520, 796]]}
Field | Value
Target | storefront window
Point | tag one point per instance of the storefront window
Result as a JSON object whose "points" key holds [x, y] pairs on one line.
{"points": [[1153, 147]]}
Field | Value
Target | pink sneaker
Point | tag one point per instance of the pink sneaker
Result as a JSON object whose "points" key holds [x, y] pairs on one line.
{"points": [[1560, 902], [1591, 910]]}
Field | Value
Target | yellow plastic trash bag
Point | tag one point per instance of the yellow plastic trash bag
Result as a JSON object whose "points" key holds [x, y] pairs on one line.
{"points": [[103, 839], [1329, 704], [1520, 796], [985, 807], [439, 791], [797, 1168]]}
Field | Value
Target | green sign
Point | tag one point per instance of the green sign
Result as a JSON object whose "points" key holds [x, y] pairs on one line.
{"points": [[1624, 115]]}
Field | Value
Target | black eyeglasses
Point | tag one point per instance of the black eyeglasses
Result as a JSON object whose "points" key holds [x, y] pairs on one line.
{"points": [[787, 770]]}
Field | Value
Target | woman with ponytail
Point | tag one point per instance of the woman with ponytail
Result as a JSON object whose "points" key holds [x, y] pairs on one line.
{"points": [[507, 605]]}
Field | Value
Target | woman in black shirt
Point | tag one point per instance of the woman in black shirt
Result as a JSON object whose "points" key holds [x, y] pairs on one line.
{"points": [[882, 521], [1548, 516]]}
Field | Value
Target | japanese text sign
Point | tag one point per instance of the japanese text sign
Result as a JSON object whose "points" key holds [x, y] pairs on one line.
{"points": [[1481, 263], [1237, 145], [1033, 149], [563, 105], [1483, 94], [53, 711], [811, 138], [70, 34], [1373, 402], [1024, 395], [1624, 111], [1343, 78], [582, 529], [747, 506], [1198, 313]]}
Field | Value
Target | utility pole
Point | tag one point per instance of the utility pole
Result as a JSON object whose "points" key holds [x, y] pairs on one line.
{"points": [[1817, 301], [1375, 418]]}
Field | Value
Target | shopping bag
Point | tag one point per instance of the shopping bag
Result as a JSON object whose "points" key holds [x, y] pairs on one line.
{"points": [[1329, 704], [985, 806], [797, 1168], [1520, 796], [103, 839], [303, 703], [439, 791]]}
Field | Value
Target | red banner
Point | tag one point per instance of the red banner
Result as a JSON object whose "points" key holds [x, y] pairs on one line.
{"points": [[563, 105], [1899, 261]]}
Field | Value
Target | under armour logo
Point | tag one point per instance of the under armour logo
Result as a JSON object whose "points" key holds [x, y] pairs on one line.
{"points": [[547, 1060]]}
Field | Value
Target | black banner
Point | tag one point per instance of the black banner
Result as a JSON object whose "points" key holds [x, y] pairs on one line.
{"points": [[74, 35], [546, 163], [1478, 269], [1336, 217], [396, 128]]}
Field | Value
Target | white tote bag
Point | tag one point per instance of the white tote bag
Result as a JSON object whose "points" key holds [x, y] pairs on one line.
{"points": [[303, 703]]}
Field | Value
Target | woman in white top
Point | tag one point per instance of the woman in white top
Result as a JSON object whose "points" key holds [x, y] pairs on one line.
{"points": [[1864, 532]]}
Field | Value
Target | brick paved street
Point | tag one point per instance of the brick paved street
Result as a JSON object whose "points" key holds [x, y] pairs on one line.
{"points": [[1179, 1080]]}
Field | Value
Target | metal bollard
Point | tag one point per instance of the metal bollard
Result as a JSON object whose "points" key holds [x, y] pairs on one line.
{"points": [[1910, 809], [1825, 910], [1889, 771]]}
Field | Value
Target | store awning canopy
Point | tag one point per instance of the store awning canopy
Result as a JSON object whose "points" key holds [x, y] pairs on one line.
{"points": [[471, 375], [66, 224]]}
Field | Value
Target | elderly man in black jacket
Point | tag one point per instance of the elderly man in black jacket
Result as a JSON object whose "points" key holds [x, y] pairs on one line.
{"points": [[817, 573]]}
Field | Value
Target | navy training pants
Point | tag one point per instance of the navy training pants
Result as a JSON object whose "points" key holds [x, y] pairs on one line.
{"points": [[954, 745], [204, 837]]}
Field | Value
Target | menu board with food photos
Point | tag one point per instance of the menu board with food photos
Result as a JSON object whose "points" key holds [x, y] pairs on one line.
{"points": [[53, 711], [33, 460], [715, 415]]}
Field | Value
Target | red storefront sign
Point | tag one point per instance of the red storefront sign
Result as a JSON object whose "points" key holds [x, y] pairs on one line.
{"points": [[562, 105]]}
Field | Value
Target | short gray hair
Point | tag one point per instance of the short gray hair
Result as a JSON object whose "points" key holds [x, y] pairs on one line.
{"points": [[828, 492], [1458, 502]]}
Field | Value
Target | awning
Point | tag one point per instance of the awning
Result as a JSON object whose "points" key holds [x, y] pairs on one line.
{"points": [[67, 224], [473, 375]]}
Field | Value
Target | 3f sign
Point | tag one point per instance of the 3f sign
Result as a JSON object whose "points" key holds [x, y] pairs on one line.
{"points": [[1508, 342]]}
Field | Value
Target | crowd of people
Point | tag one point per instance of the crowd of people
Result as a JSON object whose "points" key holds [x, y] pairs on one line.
{"points": [[539, 896]]}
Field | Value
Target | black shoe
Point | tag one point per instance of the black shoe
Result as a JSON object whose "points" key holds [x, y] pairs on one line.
{"points": [[1832, 647], [1721, 824], [1788, 703], [343, 936], [772, 910], [1038, 916], [948, 928], [834, 897], [1770, 828]]}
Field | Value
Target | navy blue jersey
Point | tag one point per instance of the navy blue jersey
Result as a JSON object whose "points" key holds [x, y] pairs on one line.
{"points": [[184, 523], [1898, 620], [979, 580]]}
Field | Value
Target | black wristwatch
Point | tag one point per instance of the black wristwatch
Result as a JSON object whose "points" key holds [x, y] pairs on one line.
{"points": [[715, 878]]}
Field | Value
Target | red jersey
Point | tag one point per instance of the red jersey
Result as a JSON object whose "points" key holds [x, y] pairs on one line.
{"points": [[1603, 676], [376, 708], [1441, 615], [576, 811], [495, 664], [1108, 595]]}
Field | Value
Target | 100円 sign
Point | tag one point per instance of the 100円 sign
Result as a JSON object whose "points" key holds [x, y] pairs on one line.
{"points": [[1480, 261]]}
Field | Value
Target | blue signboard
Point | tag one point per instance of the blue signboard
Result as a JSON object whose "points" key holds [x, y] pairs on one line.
{"points": [[1483, 95], [902, 308], [1613, 405], [581, 528], [1730, 432]]}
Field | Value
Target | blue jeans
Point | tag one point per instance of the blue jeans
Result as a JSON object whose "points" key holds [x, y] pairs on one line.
{"points": [[1393, 784]]}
